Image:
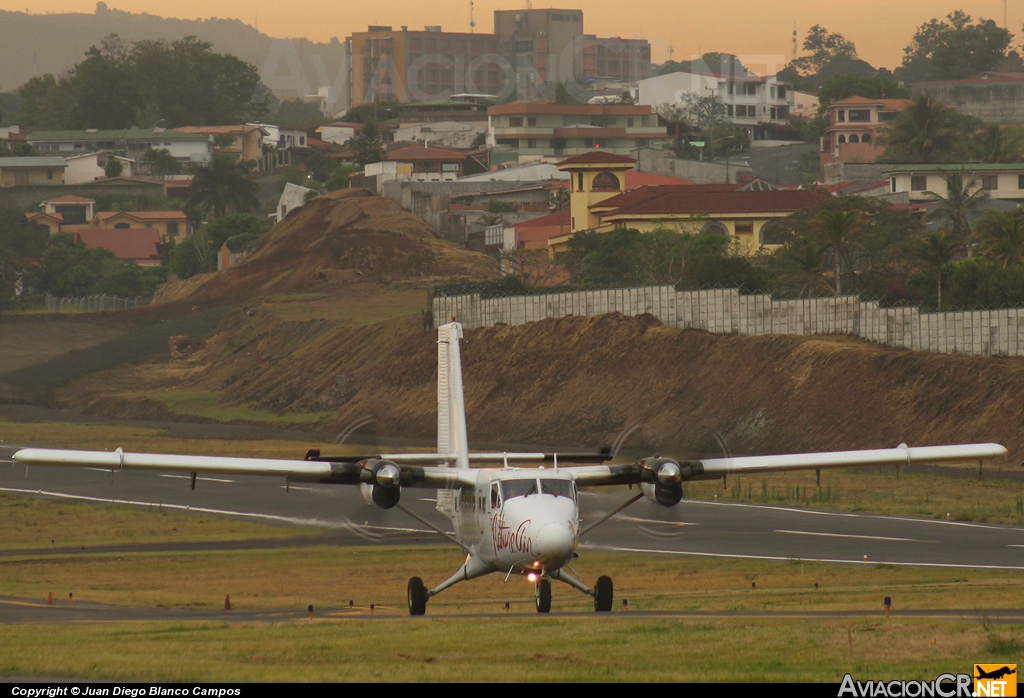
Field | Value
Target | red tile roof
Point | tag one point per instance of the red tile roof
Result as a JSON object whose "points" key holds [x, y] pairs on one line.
{"points": [[69, 199], [691, 200], [143, 215], [138, 245], [645, 193], [597, 157]]}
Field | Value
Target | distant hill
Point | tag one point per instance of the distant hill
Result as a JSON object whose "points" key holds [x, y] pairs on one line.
{"points": [[35, 44]]}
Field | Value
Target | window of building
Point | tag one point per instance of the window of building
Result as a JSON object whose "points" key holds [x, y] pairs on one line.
{"points": [[918, 183], [1020, 181], [606, 181], [892, 185], [515, 121], [579, 181], [782, 91], [854, 138], [172, 229], [121, 226], [744, 228], [866, 138], [841, 115], [531, 143], [531, 121], [772, 233], [860, 115], [990, 182], [841, 138]]}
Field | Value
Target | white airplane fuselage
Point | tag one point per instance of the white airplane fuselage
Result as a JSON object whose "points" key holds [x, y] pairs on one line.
{"points": [[518, 520]]}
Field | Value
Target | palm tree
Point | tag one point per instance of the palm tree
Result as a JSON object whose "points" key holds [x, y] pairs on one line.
{"points": [[963, 200], [996, 144], [221, 188], [801, 266], [839, 229], [925, 131], [935, 250], [1001, 237]]}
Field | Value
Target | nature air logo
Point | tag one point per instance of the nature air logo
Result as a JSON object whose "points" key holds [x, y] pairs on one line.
{"points": [[995, 680]]}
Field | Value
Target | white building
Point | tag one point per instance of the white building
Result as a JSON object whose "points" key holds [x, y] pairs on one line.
{"points": [[189, 149], [750, 101], [292, 197], [445, 134]]}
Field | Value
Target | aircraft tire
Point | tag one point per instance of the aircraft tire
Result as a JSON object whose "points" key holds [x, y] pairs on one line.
{"points": [[417, 597], [543, 590], [603, 594]]}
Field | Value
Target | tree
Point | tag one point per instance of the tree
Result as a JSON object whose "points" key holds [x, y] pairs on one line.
{"points": [[221, 188], [840, 229], [926, 131], [954, 48], [1001, 237], [801, 266], [113, 168], [20, 244], [367, 145], [935, 250], [161, 162], [852, 85], [955, 211], [711, 62], [995, 143], [823, 46]]}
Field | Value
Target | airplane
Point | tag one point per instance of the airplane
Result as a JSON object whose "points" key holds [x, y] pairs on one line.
{"points": [[507, 519]]}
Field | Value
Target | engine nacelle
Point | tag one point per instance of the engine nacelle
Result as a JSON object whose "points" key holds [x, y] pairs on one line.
{"points": [[662, 481], [381, 483]]}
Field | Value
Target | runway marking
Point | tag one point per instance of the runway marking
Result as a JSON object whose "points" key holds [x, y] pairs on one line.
{"points": [[818, 512], [289, 488], [1014, 545], [203, 479], [849, 535], [221, 512], [637, 519], [649, 551]]}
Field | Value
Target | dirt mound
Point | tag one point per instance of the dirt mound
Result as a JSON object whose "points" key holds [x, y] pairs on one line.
{"points": [[334, 239], [579, 380]]}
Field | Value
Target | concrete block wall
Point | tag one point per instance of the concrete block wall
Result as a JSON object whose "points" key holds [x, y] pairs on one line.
{"points": [[726, 311]]}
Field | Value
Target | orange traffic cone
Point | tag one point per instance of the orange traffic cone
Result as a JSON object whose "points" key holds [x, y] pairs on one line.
{"points": [[227, 602], [49, 598]]}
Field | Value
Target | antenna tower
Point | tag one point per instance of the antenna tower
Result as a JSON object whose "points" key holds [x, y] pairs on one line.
{"points": [[794, 40]]}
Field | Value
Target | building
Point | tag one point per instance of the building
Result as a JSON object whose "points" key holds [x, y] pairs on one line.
{"points": [[291, 198], [855, 124], [172, 225], [31, 171], [529, 53], [751, 102], [141, 246], [73, 211], [421, 66], [243, 141], [431, 164], [995, 98], [922, 182], [538, 129], [189, 149], [599, 202]]}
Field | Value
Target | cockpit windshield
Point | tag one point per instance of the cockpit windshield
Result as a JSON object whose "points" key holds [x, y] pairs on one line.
{"points": [[524, 488]]}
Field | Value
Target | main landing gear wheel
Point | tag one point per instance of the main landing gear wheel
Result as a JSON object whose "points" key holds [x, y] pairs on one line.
{"points": [[603, 594], [542, 587], [417, 597]]}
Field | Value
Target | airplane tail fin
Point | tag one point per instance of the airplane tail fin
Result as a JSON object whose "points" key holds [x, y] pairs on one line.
{"points": [[451, 406]]}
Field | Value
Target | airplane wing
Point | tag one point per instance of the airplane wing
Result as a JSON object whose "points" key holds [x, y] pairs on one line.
{"points": [[413, 469], [714, 468]]}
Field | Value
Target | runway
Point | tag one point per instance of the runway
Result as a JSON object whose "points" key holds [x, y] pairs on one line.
{"points": [[692, 528]]}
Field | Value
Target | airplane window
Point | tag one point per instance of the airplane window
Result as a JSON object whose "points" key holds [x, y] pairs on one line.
{"points": [[495, 496], [559, 488], [518, 488]]}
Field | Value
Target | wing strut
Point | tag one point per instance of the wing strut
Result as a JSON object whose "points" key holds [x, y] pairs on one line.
{"points": [[610, 514]]}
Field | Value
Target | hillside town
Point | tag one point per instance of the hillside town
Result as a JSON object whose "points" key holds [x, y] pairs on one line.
{"points": [[571, 158]]}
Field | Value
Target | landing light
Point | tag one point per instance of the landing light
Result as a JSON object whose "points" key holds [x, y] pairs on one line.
{"points": [[532, 576]]}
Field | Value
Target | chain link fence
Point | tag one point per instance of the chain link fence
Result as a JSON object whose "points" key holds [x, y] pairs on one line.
{"points": [[92, 304]]}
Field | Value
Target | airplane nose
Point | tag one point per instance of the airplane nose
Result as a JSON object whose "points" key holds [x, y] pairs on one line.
{"points": [[553, 543]]}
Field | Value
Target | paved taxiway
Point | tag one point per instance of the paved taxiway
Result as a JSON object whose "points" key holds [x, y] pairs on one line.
{"points": [[690, 529]]}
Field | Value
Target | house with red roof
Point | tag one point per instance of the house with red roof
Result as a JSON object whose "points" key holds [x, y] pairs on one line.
{"points": [[599, 202], [172, 225], [138, 245], [75, 212]]}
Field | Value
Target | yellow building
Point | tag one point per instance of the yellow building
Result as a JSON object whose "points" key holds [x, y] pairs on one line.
{"points": [[172, 225], [32, 171], [598, 203]]}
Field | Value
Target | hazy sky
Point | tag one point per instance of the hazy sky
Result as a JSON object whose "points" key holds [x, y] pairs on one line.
{"points": [[759, 30]]}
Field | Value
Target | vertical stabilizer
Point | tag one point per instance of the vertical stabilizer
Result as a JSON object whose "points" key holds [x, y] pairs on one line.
{"points": [[451, 406]]}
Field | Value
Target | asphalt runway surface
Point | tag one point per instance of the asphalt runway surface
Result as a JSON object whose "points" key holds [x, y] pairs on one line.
{"points": [[690, 529]]}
